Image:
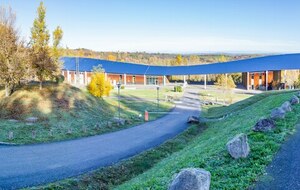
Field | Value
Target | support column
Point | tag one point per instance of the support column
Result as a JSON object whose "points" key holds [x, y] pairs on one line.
{"points": [[247, 78], [226, 80], [144, 79], [184, 79], [125, 79], [204, 81], [266, 80], [105, 76], [164, 80], [85, 78], [68, 76], [284, 79]]}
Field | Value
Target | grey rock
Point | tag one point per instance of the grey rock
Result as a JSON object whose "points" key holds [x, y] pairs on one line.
{"points": [[33, 134], [238, 147], [264, 125], [109, 124], [69, 131], [10, 135], [191, 179], [31, 119], [286, 106], [294, 100], [193, 119], [119, 121], [277, 113], [13, 120]]}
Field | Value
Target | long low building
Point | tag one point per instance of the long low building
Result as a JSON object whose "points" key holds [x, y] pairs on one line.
{"points": [[257, 72]]}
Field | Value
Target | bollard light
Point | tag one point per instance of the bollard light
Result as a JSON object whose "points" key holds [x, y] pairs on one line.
{"points": [[119, 110], [157, 90]]}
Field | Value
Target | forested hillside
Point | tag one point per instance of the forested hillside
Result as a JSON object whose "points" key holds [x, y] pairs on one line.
{"points": [[157, 58]]}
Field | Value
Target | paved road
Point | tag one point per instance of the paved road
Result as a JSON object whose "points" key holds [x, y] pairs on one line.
{"points": [[284, 171], [31, 165]]}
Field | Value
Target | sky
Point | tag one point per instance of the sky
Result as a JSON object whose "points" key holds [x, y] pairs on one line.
{"points": [[169, 26]]}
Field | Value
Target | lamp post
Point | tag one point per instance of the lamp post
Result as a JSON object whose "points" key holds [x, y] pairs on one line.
{"points": [[119, 86], [157, 89]]}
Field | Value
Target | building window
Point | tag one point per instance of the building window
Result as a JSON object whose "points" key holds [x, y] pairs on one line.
{"points": [[260, 76], [252, 76], [152, 80]]}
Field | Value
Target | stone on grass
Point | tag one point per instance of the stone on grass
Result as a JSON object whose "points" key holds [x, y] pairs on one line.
{"points": [[286, 106], [294, 100], [69, 131], [109, 124], [33, 134], [277, 113], [193, 119], [13, 120], [191, 179], [10, 135], [31, 119], [50, 132], [264, 125], [119, 121], [238, 147]]}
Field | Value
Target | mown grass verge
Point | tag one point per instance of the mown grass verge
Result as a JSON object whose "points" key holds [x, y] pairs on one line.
{"points": [[219, 111], [109, 177], [208, 150]]}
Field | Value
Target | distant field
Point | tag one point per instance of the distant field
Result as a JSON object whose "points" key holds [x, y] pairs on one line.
{"points": [[66, 112]]}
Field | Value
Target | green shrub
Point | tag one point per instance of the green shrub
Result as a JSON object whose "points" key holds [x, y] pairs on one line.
{"points": [[177, 88], [59, 79]]}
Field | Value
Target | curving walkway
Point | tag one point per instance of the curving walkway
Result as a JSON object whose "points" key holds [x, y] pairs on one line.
{"points": [[31, 165], [284, 171]]}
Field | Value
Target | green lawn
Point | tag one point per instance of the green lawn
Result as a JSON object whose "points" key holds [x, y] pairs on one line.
{"points": [[208, 150], [67, 112], [223, 96]]}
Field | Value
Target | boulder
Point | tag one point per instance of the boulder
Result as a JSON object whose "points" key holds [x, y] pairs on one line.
{"points": [[294, 100], [119, 121], [277, 113], [191, 179], [264, 125], [193, 119], [238, 147], [31, 119], [286, 106]]}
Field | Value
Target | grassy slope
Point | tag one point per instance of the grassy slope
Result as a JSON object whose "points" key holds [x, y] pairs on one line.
{"points": [[66, 111], [208, 150]]}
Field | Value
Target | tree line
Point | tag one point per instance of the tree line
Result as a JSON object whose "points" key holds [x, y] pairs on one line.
{"points": [[34, 60]]}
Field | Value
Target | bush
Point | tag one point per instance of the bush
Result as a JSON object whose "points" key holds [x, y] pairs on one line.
{"points": [[98, 86], [59, 79], [177, 88]]}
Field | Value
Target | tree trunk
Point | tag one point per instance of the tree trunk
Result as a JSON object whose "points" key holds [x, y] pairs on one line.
{"points": [[8, 90], [41, 84]]}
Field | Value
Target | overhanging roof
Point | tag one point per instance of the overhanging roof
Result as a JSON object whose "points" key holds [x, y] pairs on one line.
{"points": [[272, 62]]}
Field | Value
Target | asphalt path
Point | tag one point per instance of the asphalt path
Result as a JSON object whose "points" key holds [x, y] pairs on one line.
{"points": [[32, 165], [284, 171]]}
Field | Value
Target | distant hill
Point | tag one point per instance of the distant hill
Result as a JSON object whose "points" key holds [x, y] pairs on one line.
{"points": [[157, 58]]}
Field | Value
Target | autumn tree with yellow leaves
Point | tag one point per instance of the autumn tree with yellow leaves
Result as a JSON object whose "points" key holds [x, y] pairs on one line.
{"points": [[99, 86]]}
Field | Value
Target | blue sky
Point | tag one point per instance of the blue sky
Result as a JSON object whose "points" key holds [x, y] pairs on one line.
{"points": [[174, 26]]}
